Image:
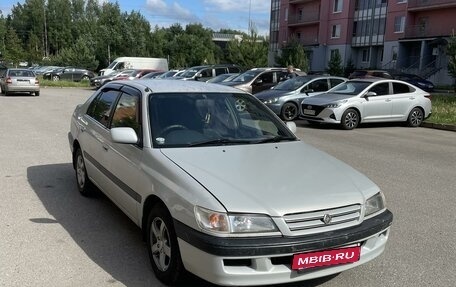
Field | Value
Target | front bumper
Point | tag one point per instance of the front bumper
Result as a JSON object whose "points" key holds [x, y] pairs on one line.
{"points": [[267, 260]]}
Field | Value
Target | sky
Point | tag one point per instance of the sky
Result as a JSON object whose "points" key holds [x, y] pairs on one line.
{"points": [[214, 14]]}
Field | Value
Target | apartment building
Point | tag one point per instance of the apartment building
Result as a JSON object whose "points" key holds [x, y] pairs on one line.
{"points": [[399, 35]]}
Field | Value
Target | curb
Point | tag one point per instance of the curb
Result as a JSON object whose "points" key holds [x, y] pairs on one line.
{"points": [[446, 127]]}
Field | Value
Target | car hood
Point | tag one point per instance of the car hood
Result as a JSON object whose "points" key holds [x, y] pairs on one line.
{"points": [[273, 178], [272, 93], [326, 98]]}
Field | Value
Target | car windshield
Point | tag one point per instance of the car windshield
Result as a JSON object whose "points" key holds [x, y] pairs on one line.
{"points": [[292, 84], [350, 88], [208, 119], [113, 64], [246, 77], [189, 73]]}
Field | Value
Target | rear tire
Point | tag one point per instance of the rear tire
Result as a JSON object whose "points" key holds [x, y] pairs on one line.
{"points": [[350, 119], [55, 78], [289, 112], [85, 186], [415, 118], [37, 94], [162, 246]]}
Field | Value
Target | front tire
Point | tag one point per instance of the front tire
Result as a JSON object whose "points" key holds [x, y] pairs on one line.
{"points": [[289, 112], [85, 186], [162, 246], [415, 118], [55, 78], [350, 119]]}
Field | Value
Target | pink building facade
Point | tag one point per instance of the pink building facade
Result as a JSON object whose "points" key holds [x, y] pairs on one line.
{"points": [[399, 35]]}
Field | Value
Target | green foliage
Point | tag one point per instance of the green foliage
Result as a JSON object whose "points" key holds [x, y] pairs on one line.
{"points": [[251, 51], [443, 109], [335, 65], [293, 54], [78, 55], [14, 51]]}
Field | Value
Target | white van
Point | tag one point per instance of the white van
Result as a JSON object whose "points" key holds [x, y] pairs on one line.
{"points": [[121, 63]]}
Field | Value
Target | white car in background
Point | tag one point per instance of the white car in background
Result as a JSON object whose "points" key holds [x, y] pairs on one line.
{"points": [[368, 101], [222, 192]]}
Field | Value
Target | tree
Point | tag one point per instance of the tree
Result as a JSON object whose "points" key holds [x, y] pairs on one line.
{"points": [[294, 54], [451, 52], [250, 52], [335, 65], [14, 51]]}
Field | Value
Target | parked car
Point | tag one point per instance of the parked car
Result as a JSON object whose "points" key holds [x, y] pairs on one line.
{"points": [[183, 163], [223, 78], [19, 81], [170, 74], [204, 73], [362, 74], [152, 75], [415, 80], [44, 69], [368, 101], [69, 74], [258, 79], [285, 98], [99, 81]]}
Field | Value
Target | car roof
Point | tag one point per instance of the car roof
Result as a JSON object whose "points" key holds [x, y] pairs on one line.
{"points": [[163, 86]]}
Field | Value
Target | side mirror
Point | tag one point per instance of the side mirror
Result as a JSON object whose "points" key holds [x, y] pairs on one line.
{"points": [[307, 91], [370, 94], [124, 135], [292, 127]]}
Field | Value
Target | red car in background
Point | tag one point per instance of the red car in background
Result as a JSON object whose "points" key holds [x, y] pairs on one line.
{"points": [[135, 74]]}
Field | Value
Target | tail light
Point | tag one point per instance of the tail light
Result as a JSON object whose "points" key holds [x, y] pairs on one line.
{"points": [[37, 82], [429, 96], [9, 81]]}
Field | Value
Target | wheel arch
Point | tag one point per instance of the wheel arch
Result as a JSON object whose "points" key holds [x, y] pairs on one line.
{"points": [[76, 146], [150, 201], [357, 110]]}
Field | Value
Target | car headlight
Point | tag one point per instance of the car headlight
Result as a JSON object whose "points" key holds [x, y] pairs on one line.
{"points": [[374, 204], [223, 223], [271, 101], [335, 105]]}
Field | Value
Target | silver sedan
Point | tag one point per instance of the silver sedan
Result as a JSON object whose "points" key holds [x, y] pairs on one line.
{"points": [[19, 81], [368, 101]]}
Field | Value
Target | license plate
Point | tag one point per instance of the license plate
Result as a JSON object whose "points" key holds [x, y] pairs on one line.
{"points": [[326, 258], [309, 112]]}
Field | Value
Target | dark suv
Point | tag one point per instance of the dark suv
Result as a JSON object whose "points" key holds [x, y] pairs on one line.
{"points": [[204, 73]]}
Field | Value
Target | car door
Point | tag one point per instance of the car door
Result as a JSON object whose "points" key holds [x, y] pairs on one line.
{"points": [[316, 87], [94, 135], [403, 101], [124, 159], [377, 107], [263, 82]]}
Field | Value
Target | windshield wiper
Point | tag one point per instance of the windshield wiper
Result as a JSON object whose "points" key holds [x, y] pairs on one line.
{"points": [[276, 139], [219, 141]]}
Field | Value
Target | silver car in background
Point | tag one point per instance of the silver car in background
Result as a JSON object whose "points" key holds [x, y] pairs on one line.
{"points": [[369, 100], [19, 81], [200, 177], [285, 98]]}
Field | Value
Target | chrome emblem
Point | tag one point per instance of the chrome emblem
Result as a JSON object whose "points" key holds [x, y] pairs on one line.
{"points": [[309, 107], [327, 219]]}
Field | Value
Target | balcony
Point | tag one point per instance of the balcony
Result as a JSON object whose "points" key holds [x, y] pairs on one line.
{"points": [[308, 18], [300, 1], [423, 5], [309, 41], [422, 31]]}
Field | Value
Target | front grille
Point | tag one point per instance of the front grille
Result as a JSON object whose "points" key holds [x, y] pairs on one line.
{"points": [[317, 109], [314, 220]]}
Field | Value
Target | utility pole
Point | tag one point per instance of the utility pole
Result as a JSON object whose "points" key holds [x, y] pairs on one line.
{"points": [[46, 53], [250, 23]]}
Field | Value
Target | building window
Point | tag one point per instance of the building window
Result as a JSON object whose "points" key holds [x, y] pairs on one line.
{"points": [[335, 33], [298, 35], [399, 24], [337, 6], [366, 55], [394, 53], [401, 1], [300, 14]]}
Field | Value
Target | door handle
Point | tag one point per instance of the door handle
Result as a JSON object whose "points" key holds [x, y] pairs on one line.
{"points": [[388, 100], [412, 98]]}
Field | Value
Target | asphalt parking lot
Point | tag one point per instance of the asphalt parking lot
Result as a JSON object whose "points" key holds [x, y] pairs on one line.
{"points": [[52, 236]]}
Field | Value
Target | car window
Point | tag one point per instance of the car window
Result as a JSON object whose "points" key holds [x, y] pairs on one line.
{"points": [[206, 73], [380, 89], [234, 70], [292, 84], [335, 82], [194, 119], [100, 108], [350, 88], [219, 71], [126, 113], [319, 85], [399, 88], [267, 77]]}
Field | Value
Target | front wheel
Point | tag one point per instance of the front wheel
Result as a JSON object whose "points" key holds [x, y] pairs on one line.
{"points": [[55, 78], [85, 78], [162, 245], [85, 186], [415, 118], [289, 111], [350, 119]]}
